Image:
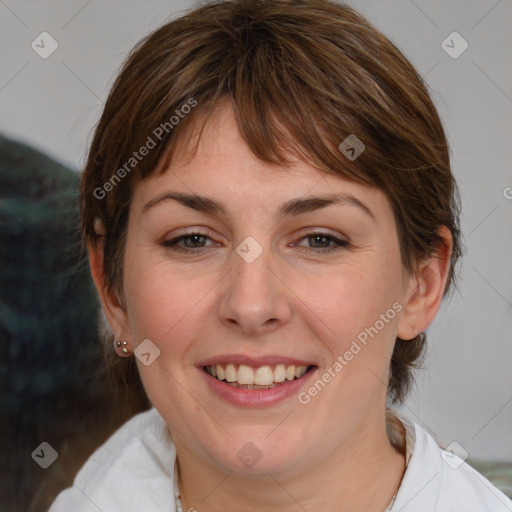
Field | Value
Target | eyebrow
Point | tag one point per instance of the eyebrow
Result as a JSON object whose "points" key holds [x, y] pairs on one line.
{"points": [[292, 207]]}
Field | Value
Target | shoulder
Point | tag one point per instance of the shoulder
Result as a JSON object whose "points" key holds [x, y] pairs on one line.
{"points": [[132, 470], [436, 479]]}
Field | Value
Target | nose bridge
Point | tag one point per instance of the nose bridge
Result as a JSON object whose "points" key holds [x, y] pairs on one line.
{"points": [[255, 299]]}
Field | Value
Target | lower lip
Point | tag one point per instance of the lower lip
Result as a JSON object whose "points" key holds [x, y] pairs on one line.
{"points": [[255, 397]]}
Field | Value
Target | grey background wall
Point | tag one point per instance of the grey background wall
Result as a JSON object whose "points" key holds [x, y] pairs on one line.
{"points": [[465, 394]]}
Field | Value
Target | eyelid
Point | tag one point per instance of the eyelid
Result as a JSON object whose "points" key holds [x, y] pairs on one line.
{"points": [[194, 230]]}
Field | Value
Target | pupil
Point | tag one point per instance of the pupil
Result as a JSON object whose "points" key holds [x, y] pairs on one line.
{"points": [[321, 237], [195, 239]]}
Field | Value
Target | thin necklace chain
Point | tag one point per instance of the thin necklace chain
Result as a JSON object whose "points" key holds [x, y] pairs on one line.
{"points": [[177, 495]]}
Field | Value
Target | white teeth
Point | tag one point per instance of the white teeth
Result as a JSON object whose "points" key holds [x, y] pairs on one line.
{"points": [[261, 376], [245, 374], [264, 376], [231, 375], [280, 373], [300, 371]]}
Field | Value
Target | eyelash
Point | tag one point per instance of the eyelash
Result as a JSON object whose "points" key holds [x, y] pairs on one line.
{"points": [[341, 244]]}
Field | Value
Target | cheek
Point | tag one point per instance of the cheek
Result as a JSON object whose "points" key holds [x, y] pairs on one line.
{"points": [[341, 303], [163, 301]]}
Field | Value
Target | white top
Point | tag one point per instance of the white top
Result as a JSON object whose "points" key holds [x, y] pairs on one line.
{"points": [[134, 470]]}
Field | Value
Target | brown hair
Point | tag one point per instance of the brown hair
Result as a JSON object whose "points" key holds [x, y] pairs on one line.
{"points": [[301, 77]]}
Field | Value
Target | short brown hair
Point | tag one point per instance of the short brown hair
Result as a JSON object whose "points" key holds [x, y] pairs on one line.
{"points": [[301, 77]]}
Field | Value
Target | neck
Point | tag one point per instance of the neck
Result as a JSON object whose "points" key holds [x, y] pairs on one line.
{"points": [[363, 473]]}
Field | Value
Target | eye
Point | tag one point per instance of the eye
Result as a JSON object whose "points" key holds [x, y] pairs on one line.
{"points": [[196, 242], [324, 240], [193, 243]]}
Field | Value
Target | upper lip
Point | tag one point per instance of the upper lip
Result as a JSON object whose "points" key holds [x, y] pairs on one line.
{"points": [[255, 362]]}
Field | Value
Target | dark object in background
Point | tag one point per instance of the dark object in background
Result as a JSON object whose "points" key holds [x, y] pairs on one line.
{"points": [[52, 385]]}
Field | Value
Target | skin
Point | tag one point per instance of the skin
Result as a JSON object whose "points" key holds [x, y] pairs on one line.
{"points": [[290, 301]]}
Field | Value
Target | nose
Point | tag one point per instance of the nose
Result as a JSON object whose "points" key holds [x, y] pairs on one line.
{"points": [[255, 299]]}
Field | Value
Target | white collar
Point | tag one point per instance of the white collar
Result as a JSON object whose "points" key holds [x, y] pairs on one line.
{"points": [[134, 470]]}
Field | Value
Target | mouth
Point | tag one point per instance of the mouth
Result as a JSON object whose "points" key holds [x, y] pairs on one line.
{"points": [[255, 380], [243, 376]]}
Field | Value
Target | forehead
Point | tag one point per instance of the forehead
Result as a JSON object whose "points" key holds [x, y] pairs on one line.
{"points": [[225, 167]]}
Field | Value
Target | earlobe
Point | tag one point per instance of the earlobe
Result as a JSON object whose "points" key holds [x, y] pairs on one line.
{"points": [[425, 290], [122, 348]]}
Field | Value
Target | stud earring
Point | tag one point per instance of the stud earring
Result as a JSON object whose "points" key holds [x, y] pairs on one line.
{"points": [[121, 347]]}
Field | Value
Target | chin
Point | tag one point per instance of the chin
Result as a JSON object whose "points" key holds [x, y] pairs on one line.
{"points": [[257, 455]]}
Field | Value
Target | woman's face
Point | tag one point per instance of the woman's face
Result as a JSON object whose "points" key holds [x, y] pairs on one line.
{"points": [[271, 279]]}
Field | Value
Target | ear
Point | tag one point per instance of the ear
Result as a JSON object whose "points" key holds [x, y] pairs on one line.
{"points": [[424, 290], [110, 301]]}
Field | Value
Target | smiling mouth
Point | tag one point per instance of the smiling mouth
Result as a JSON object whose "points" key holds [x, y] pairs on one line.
{"points": [[264, 377]]}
